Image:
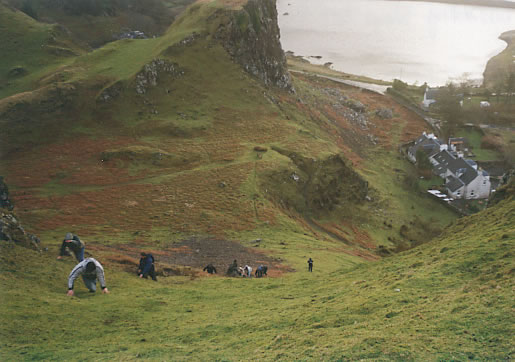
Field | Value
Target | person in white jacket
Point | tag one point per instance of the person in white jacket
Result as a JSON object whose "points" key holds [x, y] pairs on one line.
{"points": [[91, 270]]}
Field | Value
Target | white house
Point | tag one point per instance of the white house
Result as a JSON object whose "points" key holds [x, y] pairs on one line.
{"points": [[429, 97], [463, 180]]}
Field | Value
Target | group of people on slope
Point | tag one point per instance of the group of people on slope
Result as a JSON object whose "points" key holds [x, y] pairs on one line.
{"points": [[245, 271], [91, 270]]}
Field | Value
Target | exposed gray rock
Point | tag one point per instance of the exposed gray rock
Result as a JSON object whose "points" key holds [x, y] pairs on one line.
{"points": [[357, 118], [153, 71], [385, 113], [12, 231], [252, 39], [10, 228], [355, 105]]}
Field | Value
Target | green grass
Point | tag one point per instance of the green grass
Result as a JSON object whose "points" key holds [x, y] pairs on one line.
{"points": [[214, 115], [449, 299], [474, 139], [34, 48], [426, 184]]}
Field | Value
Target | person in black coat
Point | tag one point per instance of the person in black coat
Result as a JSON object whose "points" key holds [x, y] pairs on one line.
{"points": [[146, 267], [310, 264], [210, 269]]}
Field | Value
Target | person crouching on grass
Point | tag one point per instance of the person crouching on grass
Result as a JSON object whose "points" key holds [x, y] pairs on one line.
{"points": [[91, 270], [73, 243]]}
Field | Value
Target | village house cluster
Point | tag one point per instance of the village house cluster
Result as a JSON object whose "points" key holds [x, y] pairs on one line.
{"points": [[463, 178]]}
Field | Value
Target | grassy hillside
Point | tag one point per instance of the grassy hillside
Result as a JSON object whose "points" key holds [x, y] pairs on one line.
{"points": [[171, 145], [94, 23], [29, 49], [450, 299]]}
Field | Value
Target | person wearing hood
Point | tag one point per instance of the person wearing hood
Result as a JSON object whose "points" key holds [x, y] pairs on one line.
{"points": [[74, 244], [91, 270]]}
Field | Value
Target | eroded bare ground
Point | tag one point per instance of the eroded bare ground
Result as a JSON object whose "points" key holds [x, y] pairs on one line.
{"points": [[190, 256]]}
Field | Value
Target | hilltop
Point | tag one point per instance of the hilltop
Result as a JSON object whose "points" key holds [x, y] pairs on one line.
{"points": [[500, 66], [199, 146]]}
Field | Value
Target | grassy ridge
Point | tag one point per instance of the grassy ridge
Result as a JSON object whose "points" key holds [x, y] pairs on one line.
{"points": [[449, 299]]}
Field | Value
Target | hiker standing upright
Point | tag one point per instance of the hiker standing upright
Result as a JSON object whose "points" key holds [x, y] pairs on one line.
{"points": [[74, 244], [310, 264], [146, 267], [91, 270]]}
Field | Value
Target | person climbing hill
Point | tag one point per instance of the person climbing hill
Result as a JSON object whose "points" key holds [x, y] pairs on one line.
{"points": [[210, 269], [73, 243], [91, 270], [233, 271], [147, 267], [261, 270]]}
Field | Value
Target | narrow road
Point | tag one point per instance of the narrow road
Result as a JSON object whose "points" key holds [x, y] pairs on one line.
{"points": [[376, 88]]}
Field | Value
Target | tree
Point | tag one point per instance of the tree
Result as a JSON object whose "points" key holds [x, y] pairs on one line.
{"points": [[28, 8], [449, 108], [423, 163]]}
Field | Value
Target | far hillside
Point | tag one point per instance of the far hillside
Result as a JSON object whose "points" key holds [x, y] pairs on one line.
{"points": [[96, 22]]}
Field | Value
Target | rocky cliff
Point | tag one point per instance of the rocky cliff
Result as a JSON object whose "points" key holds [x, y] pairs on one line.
{"points": [[252, 38]]}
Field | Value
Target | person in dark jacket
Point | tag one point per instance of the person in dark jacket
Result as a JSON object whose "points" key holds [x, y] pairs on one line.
{"points": [[74, 244], [261, 270], [233, 269], [210, 269], [146, 267], [310, 264]]}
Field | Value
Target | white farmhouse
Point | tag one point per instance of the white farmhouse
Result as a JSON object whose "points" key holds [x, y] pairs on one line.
{"points": [[429, 97], [462, 177]]}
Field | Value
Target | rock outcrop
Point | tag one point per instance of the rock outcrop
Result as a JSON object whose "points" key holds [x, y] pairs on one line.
{"points": [[153, 71], [252, 38], [5, 203], [10, 228], [313, 186]]}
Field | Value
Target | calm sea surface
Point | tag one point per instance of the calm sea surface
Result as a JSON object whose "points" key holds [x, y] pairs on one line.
{"points": [[412, 41]]}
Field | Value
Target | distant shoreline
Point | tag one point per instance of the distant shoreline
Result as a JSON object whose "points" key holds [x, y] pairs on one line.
{"points": [[488, 3]]}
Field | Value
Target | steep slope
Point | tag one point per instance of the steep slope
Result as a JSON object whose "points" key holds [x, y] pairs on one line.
{"points": [[449, 299], [185, 146]]}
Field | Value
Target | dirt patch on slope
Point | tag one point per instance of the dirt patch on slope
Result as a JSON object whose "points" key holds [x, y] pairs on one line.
{"points": [[194, 254]]}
